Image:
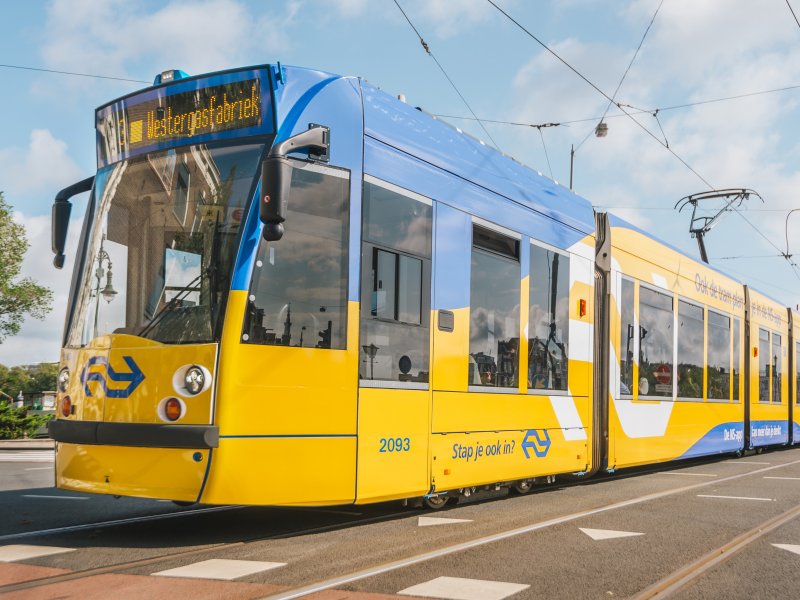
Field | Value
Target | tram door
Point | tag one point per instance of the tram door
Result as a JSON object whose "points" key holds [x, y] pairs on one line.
{"points": [[394, 366]]}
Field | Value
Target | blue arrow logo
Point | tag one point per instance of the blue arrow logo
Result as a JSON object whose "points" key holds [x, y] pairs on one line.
{"points": [[538, 441], [134, 377]]}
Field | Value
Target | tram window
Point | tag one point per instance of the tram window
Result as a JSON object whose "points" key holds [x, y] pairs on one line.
{"points": [[548, 357], [736, 359], [777, 380], [395, 287], [655, 343], [298, 295], [627, 330], [494, 310], [719, 356], [797, 373], [763, 365], [690, 351]]}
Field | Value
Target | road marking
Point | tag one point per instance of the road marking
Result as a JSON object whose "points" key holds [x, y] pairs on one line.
{"points": [[688, 474], [790, 547], [24, 552], [785, 478], [608, 534], [458, 588], [496, 537], [429, 521], [56, 497], [739, 461], [220, 568], [27, 456], [735, 497], [39, 469]]}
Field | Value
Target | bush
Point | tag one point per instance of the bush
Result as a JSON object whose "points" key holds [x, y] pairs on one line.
{"points": [[18, 422]]}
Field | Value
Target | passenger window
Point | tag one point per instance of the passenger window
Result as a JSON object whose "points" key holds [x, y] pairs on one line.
{"points": [[777, 381], [494, 310], [395, 287], [690, 351], [548, 325], [627, 329], [737, 358], [298, 295], [763, 365], [719, 356], [655, 343], [797, 373]]}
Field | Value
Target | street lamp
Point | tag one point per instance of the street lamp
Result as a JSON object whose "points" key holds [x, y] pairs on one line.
{"points": [[371, 351], [108, 292]]}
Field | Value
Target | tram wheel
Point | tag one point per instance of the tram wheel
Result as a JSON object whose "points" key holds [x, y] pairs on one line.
{"points": [[435, 502], [523, 487]]}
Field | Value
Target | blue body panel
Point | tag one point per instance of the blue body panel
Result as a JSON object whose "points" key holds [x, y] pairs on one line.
{"points": [[452, 242], [768, 433], [726, 437]]}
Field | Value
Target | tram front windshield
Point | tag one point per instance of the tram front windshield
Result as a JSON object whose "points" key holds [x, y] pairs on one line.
{"points": [[161, 244]]}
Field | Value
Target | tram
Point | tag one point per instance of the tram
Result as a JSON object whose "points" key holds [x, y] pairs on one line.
{"points": [[292, 288]]}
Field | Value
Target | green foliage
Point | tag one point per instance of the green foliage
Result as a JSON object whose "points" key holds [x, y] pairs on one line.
{"points": [[18, 422], [28, 380], [18, 296]]}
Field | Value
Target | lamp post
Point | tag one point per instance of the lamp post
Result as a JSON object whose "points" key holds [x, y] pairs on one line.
{"points": [[371, 351], [108, 292]]}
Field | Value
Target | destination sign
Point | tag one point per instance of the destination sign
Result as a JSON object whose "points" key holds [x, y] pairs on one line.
{"points": [[192, 112]]}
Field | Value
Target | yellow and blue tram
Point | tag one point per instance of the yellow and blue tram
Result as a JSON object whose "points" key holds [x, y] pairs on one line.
{"points": [[292, 288]]}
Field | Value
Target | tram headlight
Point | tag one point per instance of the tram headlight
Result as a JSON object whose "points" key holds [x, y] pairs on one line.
{"points": [[63, 380], [195, 380]]}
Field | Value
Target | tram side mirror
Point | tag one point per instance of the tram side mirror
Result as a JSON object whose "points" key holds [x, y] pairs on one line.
{"points": [[276, 176], [62, 208]]}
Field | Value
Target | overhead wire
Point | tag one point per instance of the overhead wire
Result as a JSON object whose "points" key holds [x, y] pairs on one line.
{"points": [[72, 73], [792, 11], [441, 68]]}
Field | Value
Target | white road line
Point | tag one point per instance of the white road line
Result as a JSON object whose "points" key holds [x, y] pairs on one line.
{"points": [[39, 469], [785, 478], [220, 568], [608, 534], [55, 497], [27, 456], [24, 552], [433, 521], [490, 539], [735, 497], [458, 588], [681, 473], [739, 461]]}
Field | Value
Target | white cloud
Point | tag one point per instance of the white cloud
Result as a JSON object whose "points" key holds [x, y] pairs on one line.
{"points": [[44, 165]]}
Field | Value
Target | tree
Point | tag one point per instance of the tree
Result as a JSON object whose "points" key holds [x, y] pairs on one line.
{"points": [[17, 422], [18, 296]]}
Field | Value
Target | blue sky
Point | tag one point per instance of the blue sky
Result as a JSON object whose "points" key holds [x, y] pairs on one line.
{"points": [[695, 51]]}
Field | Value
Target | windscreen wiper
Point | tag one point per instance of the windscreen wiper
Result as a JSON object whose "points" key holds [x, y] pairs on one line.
{"points": [[192, 286]]}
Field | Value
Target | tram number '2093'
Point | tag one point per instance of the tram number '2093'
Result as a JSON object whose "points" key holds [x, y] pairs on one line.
{"points": [[395, 444]]}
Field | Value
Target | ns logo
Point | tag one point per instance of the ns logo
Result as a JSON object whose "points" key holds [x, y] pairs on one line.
{"points": [[133, 377]]}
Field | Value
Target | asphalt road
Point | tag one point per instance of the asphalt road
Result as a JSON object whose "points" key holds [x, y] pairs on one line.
{"points": [[609, 537]]}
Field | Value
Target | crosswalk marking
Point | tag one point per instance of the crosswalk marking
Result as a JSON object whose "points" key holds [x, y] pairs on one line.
{"points": [[27, 456], [220, 568], [16, 552], [458, 588]]}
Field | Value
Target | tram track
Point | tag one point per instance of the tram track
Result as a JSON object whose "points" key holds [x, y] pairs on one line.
{"points": [[400, 563]]}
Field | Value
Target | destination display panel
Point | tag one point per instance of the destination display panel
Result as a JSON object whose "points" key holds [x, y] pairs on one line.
{"points": [[187, 112]]}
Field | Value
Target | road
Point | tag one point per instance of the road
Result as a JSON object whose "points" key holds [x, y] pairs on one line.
{"points": [[726, 528]]}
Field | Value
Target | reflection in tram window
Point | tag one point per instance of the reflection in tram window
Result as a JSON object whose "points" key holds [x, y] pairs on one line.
{"points": [[548, 326], [298, 296], [627, 329], [494, 310], [395, 287], [690, 351], [777, 380], [763, 365], [719, 356], [655, 343], [736, 359], [797, 373]]}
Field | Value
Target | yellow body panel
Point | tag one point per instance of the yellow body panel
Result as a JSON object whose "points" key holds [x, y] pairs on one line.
{"points": [[174, 474], [450, 358], [282, 470], [393, 453], [471, 459]]}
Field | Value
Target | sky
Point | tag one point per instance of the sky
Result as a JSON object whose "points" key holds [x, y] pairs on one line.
{"points": [[692, 53]]}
